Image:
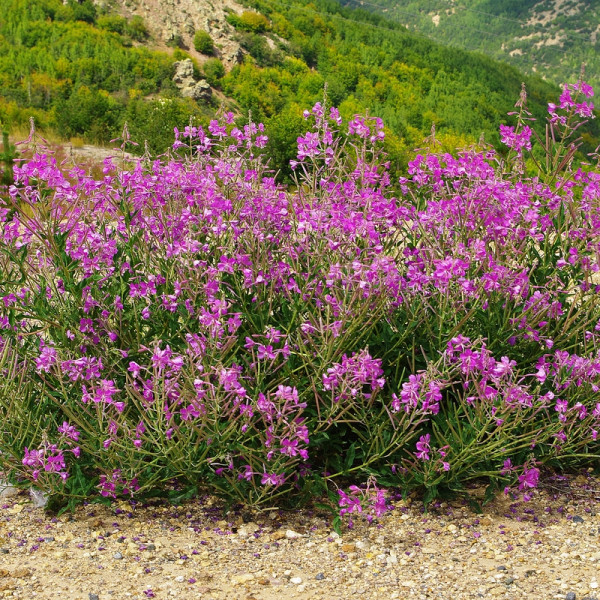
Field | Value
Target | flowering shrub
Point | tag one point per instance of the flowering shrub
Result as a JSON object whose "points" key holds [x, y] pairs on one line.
{"points": [[191, 320]]}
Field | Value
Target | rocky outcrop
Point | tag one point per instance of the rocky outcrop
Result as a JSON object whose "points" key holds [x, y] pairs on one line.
{"points": [[180, 19], [188, 86]]}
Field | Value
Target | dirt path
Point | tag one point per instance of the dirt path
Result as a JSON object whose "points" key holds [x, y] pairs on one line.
{"points": [[546, 548]]}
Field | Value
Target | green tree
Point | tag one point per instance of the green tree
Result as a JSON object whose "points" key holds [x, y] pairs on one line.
{"points": [[283, 131], [250, 21], [214, 71], [151, 122], [136, 29], [203, 42]]}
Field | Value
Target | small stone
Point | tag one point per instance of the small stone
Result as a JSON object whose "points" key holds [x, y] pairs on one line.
{"points": [[319, 576], [179, 579], [117, 555], [247, 529], [501, 568], [296, 580], [292, 535], [571, 596], [4, 550], [7, 490], [577, 519], [244, 578], [509, 580], [93, 597], [39, 498], [151, 547], [21, 573]]}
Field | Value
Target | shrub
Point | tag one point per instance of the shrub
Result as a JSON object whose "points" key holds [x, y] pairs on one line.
{"points": [[136, 29], [250, 21], [114, 23], [203, 42], [191, 320], [176, 41], [213, 71]]}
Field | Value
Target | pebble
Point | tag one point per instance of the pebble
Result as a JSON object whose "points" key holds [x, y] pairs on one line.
{"points": [[571, 596], [93, 597], [577, 519], [7, 490], [248, 529], [244, 578], [296, 580], [292, 535], [319, 576], [117, 555]]}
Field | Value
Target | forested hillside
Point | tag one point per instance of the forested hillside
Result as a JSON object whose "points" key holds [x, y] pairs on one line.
{"points": [[83, 71], [549, 37]]}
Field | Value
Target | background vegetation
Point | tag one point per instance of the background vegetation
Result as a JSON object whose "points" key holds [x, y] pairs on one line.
{"points": [[83, 73], [546, 37]]}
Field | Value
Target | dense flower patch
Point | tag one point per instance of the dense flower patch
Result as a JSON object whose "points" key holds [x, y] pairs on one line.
{"points": [[191, 320]]}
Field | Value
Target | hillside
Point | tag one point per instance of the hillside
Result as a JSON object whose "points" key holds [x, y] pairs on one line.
{"points": [[82, 70], [549, 37]]}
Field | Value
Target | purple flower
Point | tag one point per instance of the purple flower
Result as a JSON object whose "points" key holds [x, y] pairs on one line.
{"points": [[423, 448], [46, 359], [529, 479], [272, 479]]}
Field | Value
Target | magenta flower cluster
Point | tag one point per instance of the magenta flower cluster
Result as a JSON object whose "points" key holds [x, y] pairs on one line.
{"points": [[192, 320]]}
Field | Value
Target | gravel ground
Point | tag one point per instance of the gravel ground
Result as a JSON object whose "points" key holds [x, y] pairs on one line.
{"points": [[546, 548]]}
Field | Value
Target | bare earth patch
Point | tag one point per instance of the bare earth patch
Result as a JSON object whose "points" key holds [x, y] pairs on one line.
{"points": [[545, 548]]}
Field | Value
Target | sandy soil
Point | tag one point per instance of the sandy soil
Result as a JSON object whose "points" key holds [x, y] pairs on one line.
{"points": [[546, 548]]}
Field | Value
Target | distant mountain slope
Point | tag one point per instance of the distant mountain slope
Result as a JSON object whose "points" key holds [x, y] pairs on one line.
{"points": [[549, 37], [83, 69]]}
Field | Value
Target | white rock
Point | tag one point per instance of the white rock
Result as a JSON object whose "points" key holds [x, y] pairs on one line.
{"points": [[296, 580], [247, 529], [241, 579], [292, 535], [7, 490], [38, 498]]}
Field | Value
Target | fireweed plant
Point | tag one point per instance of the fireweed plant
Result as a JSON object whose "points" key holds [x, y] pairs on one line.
{"points": [[190, 320]]}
